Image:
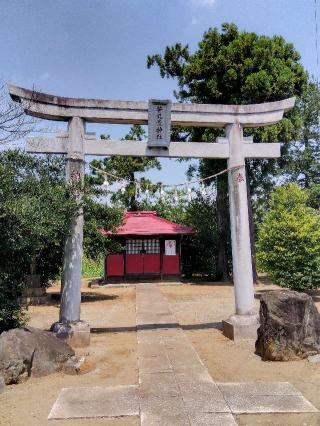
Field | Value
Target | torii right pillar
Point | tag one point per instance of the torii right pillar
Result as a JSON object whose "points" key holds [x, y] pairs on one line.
{"points": [[244, 323]]}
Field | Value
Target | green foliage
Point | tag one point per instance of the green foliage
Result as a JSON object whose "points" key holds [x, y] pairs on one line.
{"points": [[97, 216], [314, 196], [234, 67], [172, 206], [92, 268], [301, 162], [35, 211], [11, 314], [289, 240], [200, 251]]}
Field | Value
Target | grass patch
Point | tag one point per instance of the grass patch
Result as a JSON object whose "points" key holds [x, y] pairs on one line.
{"points": [[92, 268]]}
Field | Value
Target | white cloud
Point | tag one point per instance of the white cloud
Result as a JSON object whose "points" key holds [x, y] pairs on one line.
{"points": [[204, 3], [194, 21]]}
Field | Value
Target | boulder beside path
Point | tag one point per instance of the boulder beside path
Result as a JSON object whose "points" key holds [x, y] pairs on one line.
{"points": [[289, 326], [28, 351]]}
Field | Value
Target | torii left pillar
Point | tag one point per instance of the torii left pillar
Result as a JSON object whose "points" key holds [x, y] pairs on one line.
{"points": [[70, 327]]}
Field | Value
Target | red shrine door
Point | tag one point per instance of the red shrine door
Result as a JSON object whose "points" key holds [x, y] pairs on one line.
{"points": [[143, 256]]}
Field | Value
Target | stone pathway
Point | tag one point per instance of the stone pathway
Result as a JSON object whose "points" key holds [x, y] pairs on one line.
{"points": [[175, 388]]}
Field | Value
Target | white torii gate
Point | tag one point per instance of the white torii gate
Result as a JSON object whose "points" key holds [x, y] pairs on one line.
{"points": [[235, 148]]}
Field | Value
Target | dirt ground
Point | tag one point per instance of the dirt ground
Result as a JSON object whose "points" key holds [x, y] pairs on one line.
{"points": [[200, 309], [113, 353], [111, 314]]}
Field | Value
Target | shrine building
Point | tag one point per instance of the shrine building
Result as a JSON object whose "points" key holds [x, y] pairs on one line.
{"points": [[151, 248]]}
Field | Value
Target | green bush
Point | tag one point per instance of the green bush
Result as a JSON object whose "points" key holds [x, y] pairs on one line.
{"points": [[91, 267], [288, 245], [35, 211]]}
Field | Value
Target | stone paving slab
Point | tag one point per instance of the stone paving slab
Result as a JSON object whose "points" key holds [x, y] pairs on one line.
{"points": [[164, 410], [252, 398], [159, 364], [203, 397], [180, 358], [95, 402], [163, 418], [192, 374], [148, 350], [258, 388], [157, 384], [212, 419], [149, 337], [269, 404]]}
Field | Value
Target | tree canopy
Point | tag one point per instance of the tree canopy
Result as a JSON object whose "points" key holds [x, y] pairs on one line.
{"points": [[35, 211], [36, 208], [236, 67]]}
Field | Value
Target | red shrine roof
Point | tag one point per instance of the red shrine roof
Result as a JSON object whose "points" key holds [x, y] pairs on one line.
{"points": [[148, 223]]}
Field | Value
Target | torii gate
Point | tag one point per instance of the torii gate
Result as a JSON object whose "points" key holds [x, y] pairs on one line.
{"points": [[235, 148]]}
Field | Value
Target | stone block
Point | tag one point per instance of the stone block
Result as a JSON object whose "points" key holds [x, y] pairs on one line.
{"points": [[34, 300], [33, 293], [76, 334], [241, 327]]}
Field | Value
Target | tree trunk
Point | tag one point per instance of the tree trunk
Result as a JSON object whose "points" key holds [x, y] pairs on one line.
{"points": [[305, 172], [133, 203], [252, 235], [33, 266], [223, 225]]}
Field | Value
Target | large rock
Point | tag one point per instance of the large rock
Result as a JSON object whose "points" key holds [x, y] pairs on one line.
{"points": [[290, 326], [28, 351]]}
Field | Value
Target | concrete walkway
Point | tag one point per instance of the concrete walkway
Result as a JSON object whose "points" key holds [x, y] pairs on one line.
{"points": [[175, 387]]}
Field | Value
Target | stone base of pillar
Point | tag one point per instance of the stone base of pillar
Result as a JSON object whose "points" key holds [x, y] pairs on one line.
{"points": [[241, 327], [33, 296], [76, 334]]}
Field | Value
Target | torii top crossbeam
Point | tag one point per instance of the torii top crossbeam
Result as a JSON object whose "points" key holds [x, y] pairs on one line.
{"points": [[52, 107]]}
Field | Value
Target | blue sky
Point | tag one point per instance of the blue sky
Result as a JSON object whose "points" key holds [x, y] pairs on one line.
{"points": [[98, 48]]}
